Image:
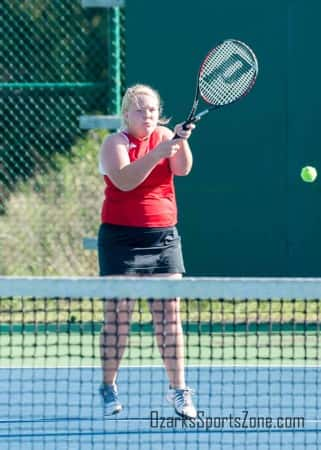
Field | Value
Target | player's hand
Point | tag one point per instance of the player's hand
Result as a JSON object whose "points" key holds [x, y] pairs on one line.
{"points": [[184, 134], [167, 149]]}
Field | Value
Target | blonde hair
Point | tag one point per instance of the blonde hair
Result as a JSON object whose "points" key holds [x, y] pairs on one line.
{"points": [[130, 97]]}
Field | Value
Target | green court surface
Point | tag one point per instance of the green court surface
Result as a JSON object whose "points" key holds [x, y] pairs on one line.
{"points": [[41, 349]]}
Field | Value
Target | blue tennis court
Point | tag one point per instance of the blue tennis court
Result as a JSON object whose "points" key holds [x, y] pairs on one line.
{"points": [[51, 408]]}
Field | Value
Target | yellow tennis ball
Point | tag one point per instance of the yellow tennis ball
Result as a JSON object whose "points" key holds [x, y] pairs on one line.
{"points": [[309, 174]]}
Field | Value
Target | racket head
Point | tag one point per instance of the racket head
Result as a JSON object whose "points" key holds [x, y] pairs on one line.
{"points": [[228, 73]]}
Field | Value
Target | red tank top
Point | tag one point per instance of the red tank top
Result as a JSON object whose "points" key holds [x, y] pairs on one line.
{"points": [[153, 202]]}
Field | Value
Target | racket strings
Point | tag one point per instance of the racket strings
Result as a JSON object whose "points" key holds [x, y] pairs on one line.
{"points": [[227, 73]]}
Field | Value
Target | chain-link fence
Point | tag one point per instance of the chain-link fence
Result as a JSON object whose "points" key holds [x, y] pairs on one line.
{"points": [[56, 65]]}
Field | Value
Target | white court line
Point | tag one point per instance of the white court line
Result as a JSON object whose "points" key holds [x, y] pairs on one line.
{"points": [[200, 366]]}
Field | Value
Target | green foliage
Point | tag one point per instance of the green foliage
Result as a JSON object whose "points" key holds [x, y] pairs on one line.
{"points": [[48, 203], [54, 41], [46, 219]]}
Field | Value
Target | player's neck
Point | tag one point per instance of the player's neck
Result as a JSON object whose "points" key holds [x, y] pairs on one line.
{"points": [[137, 135]]}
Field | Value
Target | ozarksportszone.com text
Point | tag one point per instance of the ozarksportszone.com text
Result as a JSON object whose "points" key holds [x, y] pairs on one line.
{"points": [[244, 421]]}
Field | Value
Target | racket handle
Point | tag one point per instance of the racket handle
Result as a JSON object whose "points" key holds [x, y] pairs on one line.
{"points": [[195, 119], [185, 124], [185, 127]]}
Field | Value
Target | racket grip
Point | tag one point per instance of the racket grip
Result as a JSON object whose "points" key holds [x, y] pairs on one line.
{"points": [[185, 124], [185, 127]]}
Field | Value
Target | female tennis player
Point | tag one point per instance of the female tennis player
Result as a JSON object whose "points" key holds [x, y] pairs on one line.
{"points": [[138, 235]]}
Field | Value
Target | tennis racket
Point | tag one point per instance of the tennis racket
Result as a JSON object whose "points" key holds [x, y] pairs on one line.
{"points": [[227, 74]]}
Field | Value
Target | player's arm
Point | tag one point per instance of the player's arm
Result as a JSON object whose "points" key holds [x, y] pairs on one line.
{"points": [[181, 163], [127, 175]]}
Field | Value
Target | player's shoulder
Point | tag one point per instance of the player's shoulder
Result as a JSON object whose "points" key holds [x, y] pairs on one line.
{"points": [[164, 133], [115, 139]]}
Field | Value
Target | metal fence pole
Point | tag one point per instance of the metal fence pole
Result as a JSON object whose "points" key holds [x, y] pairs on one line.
{"points": [[112, 120], [114, 64]]}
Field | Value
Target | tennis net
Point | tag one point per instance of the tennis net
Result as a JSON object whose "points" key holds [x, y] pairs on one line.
{"points": [[251, 354]]}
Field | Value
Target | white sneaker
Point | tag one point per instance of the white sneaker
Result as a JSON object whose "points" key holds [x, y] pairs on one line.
{"points": [[109, 395], [181, 400]]}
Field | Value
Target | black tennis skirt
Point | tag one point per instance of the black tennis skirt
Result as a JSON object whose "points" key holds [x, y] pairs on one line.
{"points": [[126, 250]]}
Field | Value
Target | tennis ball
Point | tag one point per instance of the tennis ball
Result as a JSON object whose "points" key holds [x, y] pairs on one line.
{"points": [[309, 174]]}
